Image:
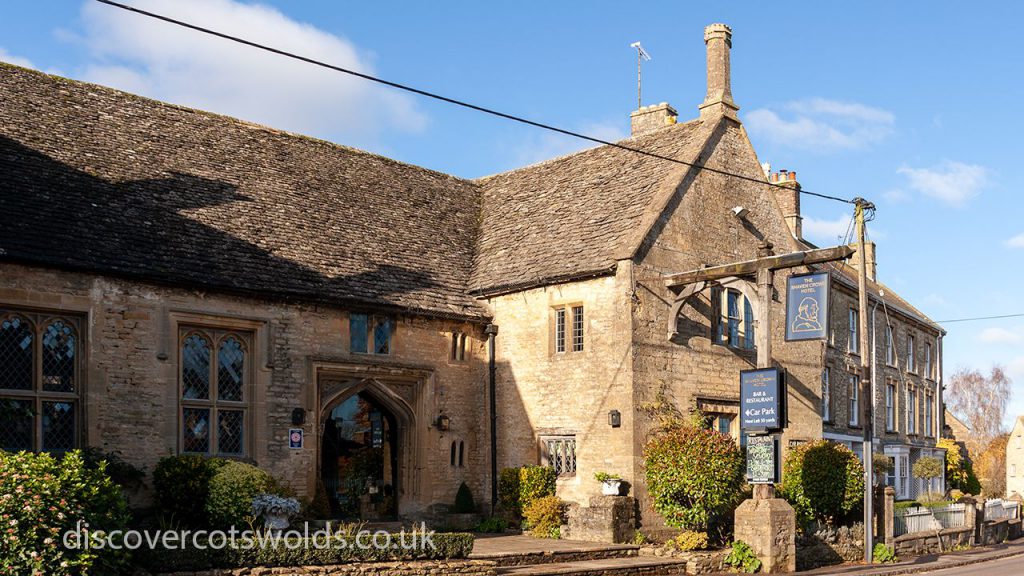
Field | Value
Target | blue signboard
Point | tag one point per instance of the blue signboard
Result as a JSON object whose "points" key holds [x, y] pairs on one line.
{"points": [[807, 306], [295, 438], [762, 400]]}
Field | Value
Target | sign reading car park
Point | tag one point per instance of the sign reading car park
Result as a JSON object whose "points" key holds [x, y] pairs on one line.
{"points": [[762, 460], [807, 306], [762, 394]]}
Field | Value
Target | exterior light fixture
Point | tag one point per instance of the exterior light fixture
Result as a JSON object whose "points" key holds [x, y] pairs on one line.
{"points": [[740, 212], [298, 416], [614, 419], [443, 423]]}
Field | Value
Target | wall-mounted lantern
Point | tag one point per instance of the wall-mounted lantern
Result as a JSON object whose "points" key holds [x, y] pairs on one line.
{"points": [[614, 419], [298, 416], [443, 423]]}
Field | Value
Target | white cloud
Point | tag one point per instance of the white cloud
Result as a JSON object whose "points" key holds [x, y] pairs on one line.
{"points": [[1017, 241], [167, 62], [548, 145], [827, 232], [953, 183], [822, 125], [6, 56], [1000, 336]]}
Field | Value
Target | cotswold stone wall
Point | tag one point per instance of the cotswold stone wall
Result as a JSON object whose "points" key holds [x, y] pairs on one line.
{"points": [[828, 545], [130, 386], [542, 392]]}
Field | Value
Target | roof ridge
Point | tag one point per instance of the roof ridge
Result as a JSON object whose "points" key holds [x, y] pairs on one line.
{"points": [[586, 150], [249, 124]]}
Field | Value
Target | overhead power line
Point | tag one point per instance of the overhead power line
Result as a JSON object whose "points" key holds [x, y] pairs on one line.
{"points": [[1021, 315], [457, 102]]}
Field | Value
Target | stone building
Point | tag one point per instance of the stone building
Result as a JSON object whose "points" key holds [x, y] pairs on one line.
{"points": [[1015, 461], [175, 281]]}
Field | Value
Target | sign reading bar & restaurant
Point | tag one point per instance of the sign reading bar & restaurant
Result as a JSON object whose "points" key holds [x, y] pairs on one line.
{"points": [[762, 403], [807, 306]]}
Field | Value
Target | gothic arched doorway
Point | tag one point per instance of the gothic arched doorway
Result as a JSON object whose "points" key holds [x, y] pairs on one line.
{"points": [[359, 457]]}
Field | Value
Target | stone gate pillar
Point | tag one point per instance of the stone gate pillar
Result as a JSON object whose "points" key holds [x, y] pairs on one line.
{"points": [[768, 525]]}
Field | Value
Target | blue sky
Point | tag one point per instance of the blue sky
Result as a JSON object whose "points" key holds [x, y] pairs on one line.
{"points": [[914, 105]]}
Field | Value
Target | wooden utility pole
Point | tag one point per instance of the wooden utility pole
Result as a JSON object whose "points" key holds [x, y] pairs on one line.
{"points": [[867, 399], [765, 276]]}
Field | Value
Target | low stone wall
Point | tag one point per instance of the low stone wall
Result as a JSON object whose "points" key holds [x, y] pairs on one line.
{"points": [[411, 568], [608, 519], [993, 532], [921, 543], [697, 561], [829, 545]]}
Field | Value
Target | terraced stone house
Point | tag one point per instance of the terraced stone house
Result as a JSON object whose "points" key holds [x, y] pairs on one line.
{"points": [[176, 281]]}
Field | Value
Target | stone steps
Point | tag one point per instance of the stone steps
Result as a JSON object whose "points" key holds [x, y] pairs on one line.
{"points": [[625, 566]]}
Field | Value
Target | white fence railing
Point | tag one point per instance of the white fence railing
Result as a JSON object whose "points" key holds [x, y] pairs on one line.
{"points": [[999, 509], [920, 519]]}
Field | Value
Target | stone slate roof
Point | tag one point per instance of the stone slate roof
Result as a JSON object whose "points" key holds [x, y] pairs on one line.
{"points": [[848, 275], [573, 216], [98, 180]]}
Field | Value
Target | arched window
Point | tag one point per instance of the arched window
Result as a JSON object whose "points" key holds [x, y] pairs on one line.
{"points": [[39, 381], [16, 353], [462, 450], [214, 381], [453, 453], [735, 319]]}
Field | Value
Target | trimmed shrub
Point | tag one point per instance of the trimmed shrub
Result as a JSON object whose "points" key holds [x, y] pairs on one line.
{"points": [[491, 525], [927, 467], [823, 481], [519, 487], [41, 499], [232, 490], [694, 476], [289, 552], [688, 540], [545, 516], [464, 503], [181, 486]]}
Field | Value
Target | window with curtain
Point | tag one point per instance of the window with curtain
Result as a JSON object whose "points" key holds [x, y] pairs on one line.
{"points": [[40, 381]]}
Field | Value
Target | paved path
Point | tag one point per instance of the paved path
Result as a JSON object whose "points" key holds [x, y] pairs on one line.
{"points": [[1000, 560]]}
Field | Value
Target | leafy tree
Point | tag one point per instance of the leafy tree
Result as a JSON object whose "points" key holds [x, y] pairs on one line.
{"points": [[959, 470], [992, 467]]}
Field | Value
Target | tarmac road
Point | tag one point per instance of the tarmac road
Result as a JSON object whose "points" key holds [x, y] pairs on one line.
{"points": [[1013, 566]]}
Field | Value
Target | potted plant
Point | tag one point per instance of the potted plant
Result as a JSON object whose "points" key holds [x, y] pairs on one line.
{"points": [[611, 485], [276, 511]]}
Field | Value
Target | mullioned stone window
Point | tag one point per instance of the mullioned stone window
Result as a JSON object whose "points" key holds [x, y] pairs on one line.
{"points": [[214, 382], [567, 329], [559, 452], [40, 381], [370, 334], [735, 323]]}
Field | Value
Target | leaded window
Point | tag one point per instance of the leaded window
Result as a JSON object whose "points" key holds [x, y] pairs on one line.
{"points": [[369, 334], [559, 452], [567, 329], [736, 320], [40, 381], [214, 378]]}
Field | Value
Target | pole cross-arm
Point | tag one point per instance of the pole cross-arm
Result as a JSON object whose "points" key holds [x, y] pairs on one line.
{"points": [[678, 281]]}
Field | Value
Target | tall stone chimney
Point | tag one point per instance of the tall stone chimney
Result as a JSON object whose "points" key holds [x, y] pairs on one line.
{"points": [[652, 117], [718, 102], [872, 263], [787, 194]]}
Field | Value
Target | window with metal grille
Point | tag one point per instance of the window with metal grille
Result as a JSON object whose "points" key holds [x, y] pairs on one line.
{"points": [[567, 328], [577, 328], [214, 377], [40, 381], [559, 452], [369, 334]]}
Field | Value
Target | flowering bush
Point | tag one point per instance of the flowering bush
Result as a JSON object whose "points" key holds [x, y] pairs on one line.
{"points": [[42, 499]]}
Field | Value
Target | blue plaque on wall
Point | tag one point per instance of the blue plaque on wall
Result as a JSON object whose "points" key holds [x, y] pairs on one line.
{"points": [[762, 400], [807, 306]]}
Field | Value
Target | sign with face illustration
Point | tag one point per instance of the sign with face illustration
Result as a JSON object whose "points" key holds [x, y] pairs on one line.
{"points": [[807, 306]]}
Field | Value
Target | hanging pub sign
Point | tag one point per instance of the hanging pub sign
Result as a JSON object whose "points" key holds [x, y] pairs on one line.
{"points": [[807, 306], [762, 400], [762, 459]]}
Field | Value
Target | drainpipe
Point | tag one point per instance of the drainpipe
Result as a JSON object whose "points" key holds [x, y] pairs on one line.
{"points": [[492, 331]]}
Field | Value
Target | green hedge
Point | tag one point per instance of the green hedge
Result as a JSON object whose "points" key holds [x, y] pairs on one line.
{"points": [[694, 476], [519, 487], [446, 546], [231, 491], [181, 486], [823, 481]]}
